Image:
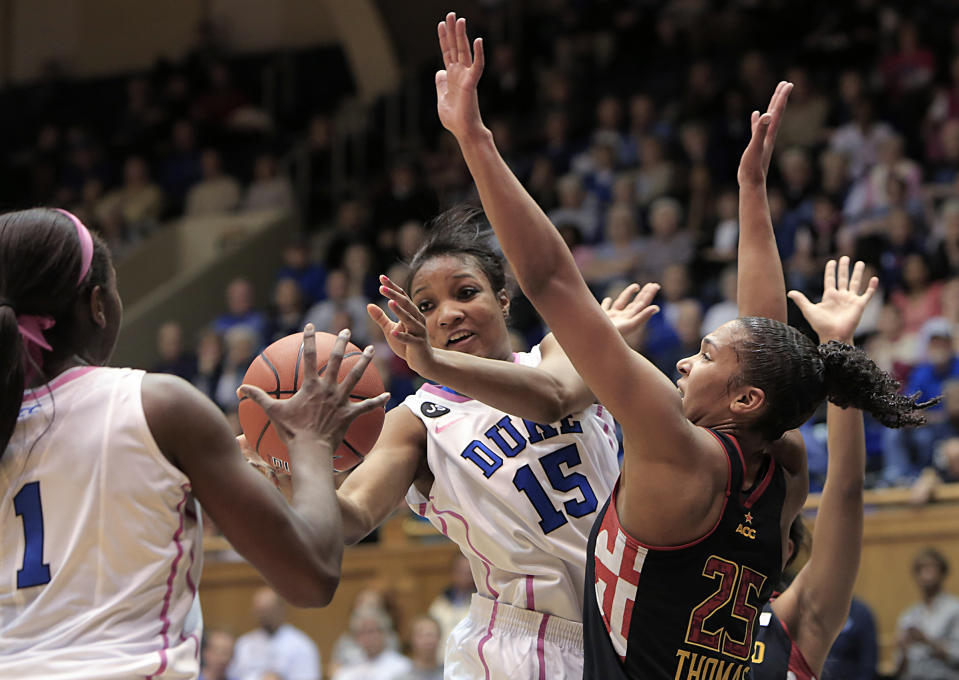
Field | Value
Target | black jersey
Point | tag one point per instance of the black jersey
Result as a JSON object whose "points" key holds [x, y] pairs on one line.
{"points": [[776, 656], [689, 611]]}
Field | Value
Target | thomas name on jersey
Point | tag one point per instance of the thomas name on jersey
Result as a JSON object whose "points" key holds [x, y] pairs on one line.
{"points": [[693, 666]]}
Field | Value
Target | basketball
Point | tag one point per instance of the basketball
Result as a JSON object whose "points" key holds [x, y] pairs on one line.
{"points": [[278, 371]]}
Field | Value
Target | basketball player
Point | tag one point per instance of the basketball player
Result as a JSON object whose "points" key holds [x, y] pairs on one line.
{"points": [[684, 555], [513, 473], [797, 629], [99, 467]]}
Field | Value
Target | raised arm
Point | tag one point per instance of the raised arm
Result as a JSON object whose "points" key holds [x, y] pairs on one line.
{"points": [[298, 546], [761, 287], [544, 393], [547, 272], [815, 607]]}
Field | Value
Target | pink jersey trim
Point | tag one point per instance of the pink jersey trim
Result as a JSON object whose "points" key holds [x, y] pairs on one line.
{"points": [[440, 392], [164, 618], [486, 562], [540, 647], [664, 548], [530, 601], [67, 376], [486, 638]]}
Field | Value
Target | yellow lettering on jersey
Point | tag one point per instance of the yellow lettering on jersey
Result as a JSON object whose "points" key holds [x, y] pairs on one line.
{"points": [[748, 532], [703, 667], [695, 668], [683, 656], [759, 652]]}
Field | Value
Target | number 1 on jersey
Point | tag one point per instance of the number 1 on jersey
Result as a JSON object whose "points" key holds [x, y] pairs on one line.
{"points": [[28, 508]]}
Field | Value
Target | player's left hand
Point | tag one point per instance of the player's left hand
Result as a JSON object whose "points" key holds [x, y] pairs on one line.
{"points": [[837, 315], [407, 336], [456, 100], [631, 309], [754, 164]]}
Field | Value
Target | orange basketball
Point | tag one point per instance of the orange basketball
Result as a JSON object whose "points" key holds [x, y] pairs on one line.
{"points": [[278, 371]]}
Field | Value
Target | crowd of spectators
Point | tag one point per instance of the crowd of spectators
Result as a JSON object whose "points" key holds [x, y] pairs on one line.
{"points": [[627, 131]]}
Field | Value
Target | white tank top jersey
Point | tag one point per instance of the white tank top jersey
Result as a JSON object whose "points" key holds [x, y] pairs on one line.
{"points": [[519, 498], [101, 542]]}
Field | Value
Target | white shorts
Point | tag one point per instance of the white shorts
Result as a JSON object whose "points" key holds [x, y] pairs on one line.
{"points": [[497, 641]]}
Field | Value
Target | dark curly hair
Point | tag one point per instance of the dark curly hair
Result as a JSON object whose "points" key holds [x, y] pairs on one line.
{"points": [[796, 376], [461, 232], [40, 260]]}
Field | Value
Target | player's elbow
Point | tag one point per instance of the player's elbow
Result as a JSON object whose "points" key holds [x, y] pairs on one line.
{"points": [[314, 587]]}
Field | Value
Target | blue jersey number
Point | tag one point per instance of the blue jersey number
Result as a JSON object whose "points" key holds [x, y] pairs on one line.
{"points": [[549, 517], [27, 505]]}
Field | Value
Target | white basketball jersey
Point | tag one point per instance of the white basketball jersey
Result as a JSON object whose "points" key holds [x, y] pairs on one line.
{"points": [[519, 498], [101, 543]]}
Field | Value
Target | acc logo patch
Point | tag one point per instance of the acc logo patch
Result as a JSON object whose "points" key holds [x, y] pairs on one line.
{"points": [[431, 410]]}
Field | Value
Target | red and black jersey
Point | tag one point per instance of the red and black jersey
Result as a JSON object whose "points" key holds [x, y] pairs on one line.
{"points": [[688, 611], [775, 655]]}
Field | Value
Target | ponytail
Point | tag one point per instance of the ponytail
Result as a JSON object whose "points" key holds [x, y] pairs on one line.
{"points": [[854, 380], [11, 373]]}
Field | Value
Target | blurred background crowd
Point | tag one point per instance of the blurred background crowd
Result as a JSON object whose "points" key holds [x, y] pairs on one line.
{"points": [[625, 119]]}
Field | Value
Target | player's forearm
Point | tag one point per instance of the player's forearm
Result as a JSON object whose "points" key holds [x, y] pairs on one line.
{"points": [[519, 390], [533, 246], [837, 544], [314, 501], [761, 289]]}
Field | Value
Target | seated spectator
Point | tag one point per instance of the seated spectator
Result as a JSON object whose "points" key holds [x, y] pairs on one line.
{"points": [[216, 193], [726, 309], [240, 311], [804, 123], [907, 451], [941, 437], [180, 169], [174, 359], [668, 244], [726, 234], [575, 209], [240, 346], [338, 299], [425, 648], [656, 175], [347, 650], [216, 655], [275, 646], [358, 264], [269, 190], [919, 298], [855, 653], [209, 362], [369, 626], [618, 256], [453, 604], [138, 200], [893, 350], [310, 275], [927, 645], [860, 138], [286, 312], [945, 258]]}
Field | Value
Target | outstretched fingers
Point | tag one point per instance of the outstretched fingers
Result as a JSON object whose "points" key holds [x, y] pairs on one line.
{"points": [[842, 273], [829, 276], [451, 38], [855, 281], [625, 297], [346, 385], [463, 53], [333, 362]]}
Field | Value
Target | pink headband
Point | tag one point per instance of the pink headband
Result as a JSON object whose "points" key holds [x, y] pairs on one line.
{"points": [[32, 326], [86, 243]]}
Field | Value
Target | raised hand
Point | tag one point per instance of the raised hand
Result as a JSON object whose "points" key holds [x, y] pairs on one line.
{"points": [[456, 100], [631, 310], [407, 336], [321, 410], [836, 316], [754, 164]]}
